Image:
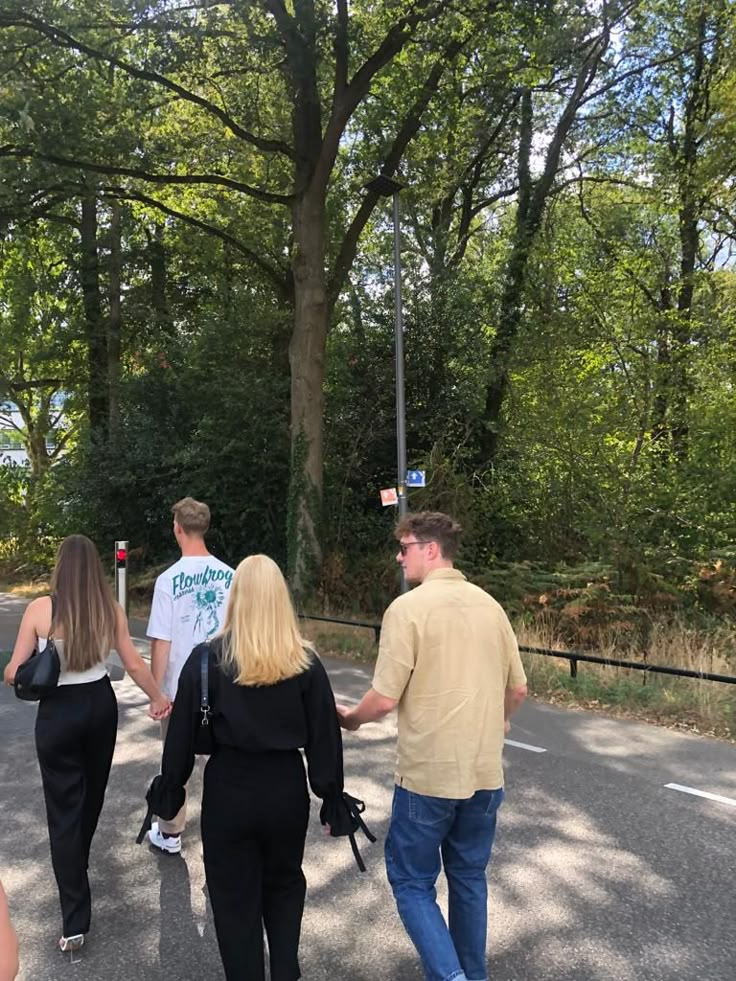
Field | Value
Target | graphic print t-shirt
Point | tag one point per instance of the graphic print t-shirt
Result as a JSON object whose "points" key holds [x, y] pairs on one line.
{"points": [[189, 602]]}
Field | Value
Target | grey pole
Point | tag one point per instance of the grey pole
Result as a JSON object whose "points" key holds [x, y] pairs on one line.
{"points": [[399, 343], [115, 668], [387, 187], [400, 398], [121, 574]]}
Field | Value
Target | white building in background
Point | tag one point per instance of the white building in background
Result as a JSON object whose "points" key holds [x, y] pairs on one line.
{"points": [[12, 449]]}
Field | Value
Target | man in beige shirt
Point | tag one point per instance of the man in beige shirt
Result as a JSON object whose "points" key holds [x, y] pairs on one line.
{"points": [[449, 660]]}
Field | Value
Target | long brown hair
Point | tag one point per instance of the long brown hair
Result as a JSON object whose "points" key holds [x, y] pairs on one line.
{"points": [[261, 642], [85, 608]]}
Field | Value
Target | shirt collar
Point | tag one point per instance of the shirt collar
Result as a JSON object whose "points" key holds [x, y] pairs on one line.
{"points": [[444, 574]]}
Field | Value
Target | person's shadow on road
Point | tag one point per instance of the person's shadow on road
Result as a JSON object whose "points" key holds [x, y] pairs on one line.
{"points": [[187, 944]]}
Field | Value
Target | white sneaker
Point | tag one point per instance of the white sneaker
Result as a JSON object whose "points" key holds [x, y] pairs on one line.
{"points": [[157, 839]]}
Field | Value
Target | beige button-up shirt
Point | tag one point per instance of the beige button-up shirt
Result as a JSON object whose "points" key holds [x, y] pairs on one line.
{"points": [[448, 654]]}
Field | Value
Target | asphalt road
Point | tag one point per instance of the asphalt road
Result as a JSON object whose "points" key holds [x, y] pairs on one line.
{"points": [[600, 872]]}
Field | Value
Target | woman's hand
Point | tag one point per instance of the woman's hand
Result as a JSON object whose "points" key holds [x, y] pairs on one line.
{"points": [[346, 718], [159, 708], [9, 673]]}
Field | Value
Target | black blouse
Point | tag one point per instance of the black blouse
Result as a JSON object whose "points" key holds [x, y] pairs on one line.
{"points": [[293, 714]]}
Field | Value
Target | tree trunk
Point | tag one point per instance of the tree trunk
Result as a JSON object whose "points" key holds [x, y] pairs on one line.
{"points": [[95, 328], [532, 203], [159, 285], [38, 427], [661, 385], [307, 361], [115, 320], [684, 152], [513, 289]]}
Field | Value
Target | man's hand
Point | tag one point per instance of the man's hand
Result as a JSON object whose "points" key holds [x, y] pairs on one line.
{"points": [[506, 726], [346, 717]]}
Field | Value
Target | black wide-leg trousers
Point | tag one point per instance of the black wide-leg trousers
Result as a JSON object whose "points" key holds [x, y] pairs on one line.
{"points": [[76, 727], [255, 809]]}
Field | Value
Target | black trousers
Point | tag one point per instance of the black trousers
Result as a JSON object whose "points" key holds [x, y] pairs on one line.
{"points": [[255, 809], [76, 728]]}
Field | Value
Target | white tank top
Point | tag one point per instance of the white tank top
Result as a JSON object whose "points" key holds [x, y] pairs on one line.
{"points": [[94, 673]]}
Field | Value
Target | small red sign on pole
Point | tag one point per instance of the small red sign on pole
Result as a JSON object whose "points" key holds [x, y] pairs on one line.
{"points": [[389, 496]]}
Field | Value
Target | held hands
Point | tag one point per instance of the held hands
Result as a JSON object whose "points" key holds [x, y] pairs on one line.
{"points": [[346, 718], [159, 708]]}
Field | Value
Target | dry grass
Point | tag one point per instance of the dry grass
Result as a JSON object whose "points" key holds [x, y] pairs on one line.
{"points": [[26, 590], [700, 706], [341, 640]]}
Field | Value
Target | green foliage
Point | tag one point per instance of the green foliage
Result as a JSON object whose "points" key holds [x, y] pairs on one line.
{"points": [[13, 488], [610, 491]]}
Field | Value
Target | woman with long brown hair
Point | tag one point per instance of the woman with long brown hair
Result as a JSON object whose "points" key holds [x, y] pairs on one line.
{"points": [[76, 725], [269, 696]]}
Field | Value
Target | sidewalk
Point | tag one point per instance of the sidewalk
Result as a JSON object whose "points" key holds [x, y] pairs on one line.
{"points": [[151, 919]]}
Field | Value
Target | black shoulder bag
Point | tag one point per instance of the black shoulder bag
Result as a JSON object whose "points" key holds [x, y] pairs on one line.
{"points": [[39, 675]]}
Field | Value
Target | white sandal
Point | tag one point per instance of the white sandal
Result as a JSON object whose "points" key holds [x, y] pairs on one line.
{"points": [[71, 943]]}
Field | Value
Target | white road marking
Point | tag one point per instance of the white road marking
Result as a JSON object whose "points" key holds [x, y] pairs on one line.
{"points": [[532, 749], [701, 793]]}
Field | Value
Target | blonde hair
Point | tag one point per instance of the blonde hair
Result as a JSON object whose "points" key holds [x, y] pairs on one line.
{"points": [[193, 516], [261, 642], [85, 607]]}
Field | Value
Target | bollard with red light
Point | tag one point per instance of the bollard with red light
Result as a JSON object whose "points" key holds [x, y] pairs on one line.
{"points": [[121, 574]]}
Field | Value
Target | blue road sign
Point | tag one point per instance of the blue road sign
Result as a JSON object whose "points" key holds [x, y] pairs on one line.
{"points": [[415, 478]]}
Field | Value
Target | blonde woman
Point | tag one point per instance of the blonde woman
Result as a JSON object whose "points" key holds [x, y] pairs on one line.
{"points": [[270, 696], [76, 725]]}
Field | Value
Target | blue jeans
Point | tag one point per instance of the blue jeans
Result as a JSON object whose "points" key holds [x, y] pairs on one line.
{"points": [[461, 832]]}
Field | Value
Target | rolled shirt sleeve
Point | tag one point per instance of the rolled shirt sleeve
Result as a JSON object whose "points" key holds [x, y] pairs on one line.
{"points": [[397, 653]]}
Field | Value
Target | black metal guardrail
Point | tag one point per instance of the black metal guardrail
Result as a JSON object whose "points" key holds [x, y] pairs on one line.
{"points": [[574, 657], [375, 627]]}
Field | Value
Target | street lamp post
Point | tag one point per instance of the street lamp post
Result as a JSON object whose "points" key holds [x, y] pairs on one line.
{"points": [[387, 187]]}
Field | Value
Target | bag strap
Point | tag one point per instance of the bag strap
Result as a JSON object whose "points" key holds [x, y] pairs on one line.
{"points": [[53, 614], [204, 676]]}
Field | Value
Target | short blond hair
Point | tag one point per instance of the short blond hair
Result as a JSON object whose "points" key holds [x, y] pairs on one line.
{"points": [[192, 516], [261, 642]]}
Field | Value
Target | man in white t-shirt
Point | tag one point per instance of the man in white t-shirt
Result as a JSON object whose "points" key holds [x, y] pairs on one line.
{"points": [[189, 602]]}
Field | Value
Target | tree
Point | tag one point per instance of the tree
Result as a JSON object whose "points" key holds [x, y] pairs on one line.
{"points": [[268, 94], [38, 350]]}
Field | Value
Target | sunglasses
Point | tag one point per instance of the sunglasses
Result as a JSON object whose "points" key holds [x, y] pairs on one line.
{"points": [[405, 546]]}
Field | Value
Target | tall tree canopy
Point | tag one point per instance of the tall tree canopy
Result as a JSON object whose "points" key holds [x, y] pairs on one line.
{"points": [[192, 258]]}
